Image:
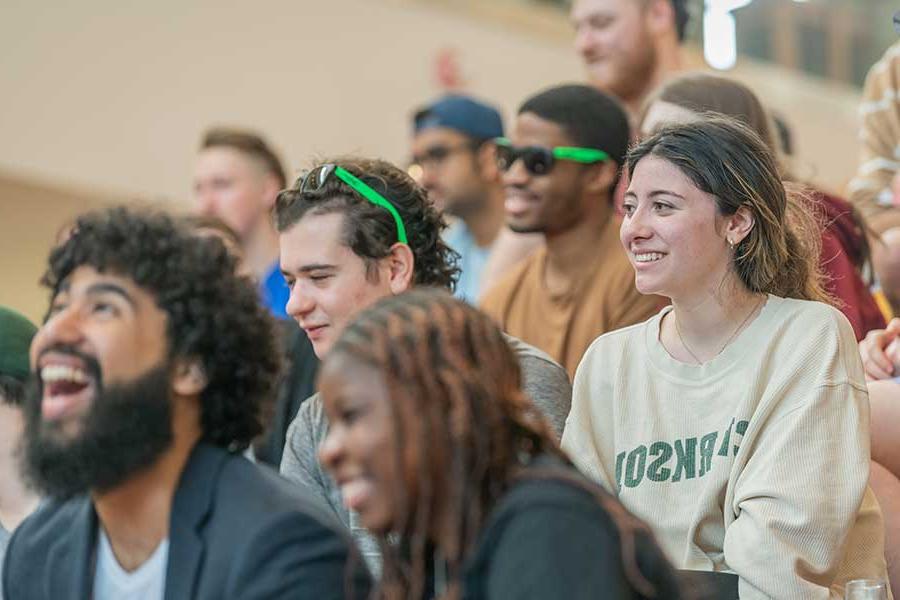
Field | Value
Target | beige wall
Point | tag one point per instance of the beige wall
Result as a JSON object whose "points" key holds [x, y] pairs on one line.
{"points": [[110, 97], [31, 216]]}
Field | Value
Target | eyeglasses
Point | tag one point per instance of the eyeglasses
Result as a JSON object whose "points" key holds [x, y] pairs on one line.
{"points": [[435, 155], [539, 160], [314, 180]]}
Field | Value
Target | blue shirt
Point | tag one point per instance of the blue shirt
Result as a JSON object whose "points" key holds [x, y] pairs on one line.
{"points": [[472, 259], [274, 292]]}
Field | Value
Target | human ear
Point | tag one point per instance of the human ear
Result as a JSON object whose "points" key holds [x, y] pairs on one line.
{"points": [[659, 16], [401, 264], [190, 378], [739, 226]]}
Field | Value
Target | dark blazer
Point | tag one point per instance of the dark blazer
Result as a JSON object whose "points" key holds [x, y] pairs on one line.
{"points": [[237, 531]]}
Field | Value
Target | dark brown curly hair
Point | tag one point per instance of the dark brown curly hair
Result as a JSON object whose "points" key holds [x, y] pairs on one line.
{"points": [[213, 315], [370, 230]]}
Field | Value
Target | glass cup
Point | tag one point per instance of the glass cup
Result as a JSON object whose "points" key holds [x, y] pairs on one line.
{"points": [[865, 589]]}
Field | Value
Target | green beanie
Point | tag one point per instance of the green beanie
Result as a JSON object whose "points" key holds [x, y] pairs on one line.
{"points": [[15, 339]]}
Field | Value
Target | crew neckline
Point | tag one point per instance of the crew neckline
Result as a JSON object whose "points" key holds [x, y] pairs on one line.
{"points": [[731, 356]]}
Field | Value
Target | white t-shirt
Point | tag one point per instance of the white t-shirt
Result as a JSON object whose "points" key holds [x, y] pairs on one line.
{"points": [[147, 582]]}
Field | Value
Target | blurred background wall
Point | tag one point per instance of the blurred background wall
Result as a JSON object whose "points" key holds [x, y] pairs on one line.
{"points": [[105, 100]]}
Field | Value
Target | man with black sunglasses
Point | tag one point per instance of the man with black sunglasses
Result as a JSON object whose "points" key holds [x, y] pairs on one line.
{"points": [[453, 153], [560, 168]]}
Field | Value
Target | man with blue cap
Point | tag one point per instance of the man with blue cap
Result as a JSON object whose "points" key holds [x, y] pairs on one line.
{"points": [[17, 500], [453, 146]]}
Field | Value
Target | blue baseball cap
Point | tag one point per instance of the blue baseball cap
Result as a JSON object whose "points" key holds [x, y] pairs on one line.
{"points": [[463, 114]]}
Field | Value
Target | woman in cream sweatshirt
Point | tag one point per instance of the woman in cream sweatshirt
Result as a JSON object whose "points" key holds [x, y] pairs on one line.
{"points": [[734, 422]]}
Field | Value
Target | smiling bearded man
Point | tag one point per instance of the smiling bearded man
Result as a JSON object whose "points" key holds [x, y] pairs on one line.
{"points": [[142, 398]]}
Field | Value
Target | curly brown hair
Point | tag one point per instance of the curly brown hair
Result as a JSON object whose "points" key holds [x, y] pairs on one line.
{"points": [[213, 315], [370, 230]]}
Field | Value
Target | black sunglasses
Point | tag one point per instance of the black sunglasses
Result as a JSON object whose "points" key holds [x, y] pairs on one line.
{"points": [[539, 160]]}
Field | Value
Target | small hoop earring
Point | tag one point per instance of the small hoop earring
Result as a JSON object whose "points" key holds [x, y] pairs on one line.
{"points": [[730, 243]]}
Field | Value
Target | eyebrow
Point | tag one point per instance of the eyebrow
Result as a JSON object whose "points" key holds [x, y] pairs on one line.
{"points": [[308, 268], [664, 193], [110, 288]]}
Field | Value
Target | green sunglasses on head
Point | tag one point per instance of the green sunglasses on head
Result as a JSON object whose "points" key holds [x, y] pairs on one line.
{"points": [[316, 178], [539, 160]]}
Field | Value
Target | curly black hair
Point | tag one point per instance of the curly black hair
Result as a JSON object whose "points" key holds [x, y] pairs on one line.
{"points": [[214, 315], [370, 230]]}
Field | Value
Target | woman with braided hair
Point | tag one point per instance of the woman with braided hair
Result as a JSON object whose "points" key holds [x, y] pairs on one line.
{"points": [[436, 447]]}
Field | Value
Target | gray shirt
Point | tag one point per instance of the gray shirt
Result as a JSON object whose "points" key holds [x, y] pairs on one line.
{"points": [[544, 381]]}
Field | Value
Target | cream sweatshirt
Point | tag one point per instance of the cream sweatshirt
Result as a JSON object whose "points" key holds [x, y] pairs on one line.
{"points": [[755, 462]]}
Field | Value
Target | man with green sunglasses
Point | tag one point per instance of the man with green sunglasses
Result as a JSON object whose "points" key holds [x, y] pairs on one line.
{"points": [[560, 169]]}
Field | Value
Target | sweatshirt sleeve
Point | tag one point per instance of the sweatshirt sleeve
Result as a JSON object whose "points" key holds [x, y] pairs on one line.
{"points": [[588, 434], [790, 530]]}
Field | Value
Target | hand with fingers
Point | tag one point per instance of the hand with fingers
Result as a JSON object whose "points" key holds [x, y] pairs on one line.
{"points": [[880, 351]]}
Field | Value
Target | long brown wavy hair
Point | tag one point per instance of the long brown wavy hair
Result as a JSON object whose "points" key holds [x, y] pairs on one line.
{"points": [[463, 425], [704, 94], [726, 159]]}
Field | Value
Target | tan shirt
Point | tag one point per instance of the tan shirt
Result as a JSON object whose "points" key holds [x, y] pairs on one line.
{"points": [[754, 463], [601, 298]]}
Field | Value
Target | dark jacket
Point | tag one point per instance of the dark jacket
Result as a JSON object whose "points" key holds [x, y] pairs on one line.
{"points": [[236, 531], [551, 538]]}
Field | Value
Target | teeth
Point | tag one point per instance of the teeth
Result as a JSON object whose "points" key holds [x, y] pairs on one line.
{"points": [[54, 373], [647, 257]]}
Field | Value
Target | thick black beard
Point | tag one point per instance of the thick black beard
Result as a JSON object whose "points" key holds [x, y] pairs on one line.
{"points": [[126, 429]]}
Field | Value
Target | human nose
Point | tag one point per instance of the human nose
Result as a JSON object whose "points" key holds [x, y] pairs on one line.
{"points": [[635, 226], [206, 202], [429, 174], [62, 327], [583, 40], [300, 303]]}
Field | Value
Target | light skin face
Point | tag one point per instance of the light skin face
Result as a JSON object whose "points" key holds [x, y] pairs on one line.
{"points": [[329, 283], [614, 38], [674, 235], [456, 183], [359, 449], [235, 188], [99, 316], [663, 113], [551, 203]]}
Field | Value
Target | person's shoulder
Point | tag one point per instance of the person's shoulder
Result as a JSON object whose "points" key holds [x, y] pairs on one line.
{"points": [[526, 353], [51, 519], [549, 483], [312, 410], [257, 489], [808, 315], [49, 525]]}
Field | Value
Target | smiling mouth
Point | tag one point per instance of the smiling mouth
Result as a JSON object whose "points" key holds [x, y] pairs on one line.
{"points": [[314, 331], [647, 257], [355, 492], [66, 388]]}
